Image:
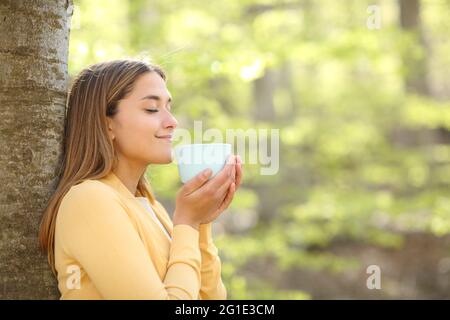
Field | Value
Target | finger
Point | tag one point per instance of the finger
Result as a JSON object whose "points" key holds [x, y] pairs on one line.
{"points": [[226, 200], [229, 197], [222, 190], [223, 175], [231, 159], [233, 172], [238, 175], [197, 181]]}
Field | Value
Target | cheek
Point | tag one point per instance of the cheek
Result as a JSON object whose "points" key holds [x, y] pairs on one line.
{"points": [[144, 131], [144, 127], [137, 135]]}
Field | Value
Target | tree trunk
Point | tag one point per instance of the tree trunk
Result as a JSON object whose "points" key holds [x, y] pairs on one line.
{"points": [[263, 93], [416, 79], [33, 88]]}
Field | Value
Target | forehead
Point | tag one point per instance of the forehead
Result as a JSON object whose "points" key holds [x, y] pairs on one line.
{"points": [[150, 83]]}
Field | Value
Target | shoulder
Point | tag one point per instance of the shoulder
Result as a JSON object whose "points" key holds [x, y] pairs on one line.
{"points": [[90, 199], [89, 190], [89, 211]]}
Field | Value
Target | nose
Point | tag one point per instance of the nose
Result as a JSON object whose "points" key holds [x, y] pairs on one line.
{"points": [[170, 121]]}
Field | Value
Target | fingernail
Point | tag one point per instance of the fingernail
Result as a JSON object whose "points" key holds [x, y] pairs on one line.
{"points": [[206, 173]]}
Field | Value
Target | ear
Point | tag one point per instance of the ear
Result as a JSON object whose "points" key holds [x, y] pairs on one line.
{"points": [[110, 128]]}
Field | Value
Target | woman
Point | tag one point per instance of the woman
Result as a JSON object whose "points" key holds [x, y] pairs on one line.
{"points": [[105, 234]]}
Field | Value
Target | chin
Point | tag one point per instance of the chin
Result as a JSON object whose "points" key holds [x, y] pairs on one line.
{"points": [[162, 160], [167, 161]]}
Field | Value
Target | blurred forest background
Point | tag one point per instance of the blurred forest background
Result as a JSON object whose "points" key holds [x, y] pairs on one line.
{"points": [[364, 119]]}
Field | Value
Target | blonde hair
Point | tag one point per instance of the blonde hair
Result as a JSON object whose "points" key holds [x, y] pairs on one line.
{"points": [[88, 151]]}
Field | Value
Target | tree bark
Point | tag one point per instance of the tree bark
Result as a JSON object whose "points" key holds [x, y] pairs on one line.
{"points": [[417, 77], [33, 89]]}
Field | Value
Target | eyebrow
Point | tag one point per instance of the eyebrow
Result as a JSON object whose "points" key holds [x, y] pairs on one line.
{"points": [[155, 97]]}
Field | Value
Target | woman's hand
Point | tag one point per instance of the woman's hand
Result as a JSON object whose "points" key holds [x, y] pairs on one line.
{"points": [[201, 200], [233, 188]]}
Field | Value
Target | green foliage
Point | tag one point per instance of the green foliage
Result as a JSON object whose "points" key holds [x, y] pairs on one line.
{"points": [[362, 159]]}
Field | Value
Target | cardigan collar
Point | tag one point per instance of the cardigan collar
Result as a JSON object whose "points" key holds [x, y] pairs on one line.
{"points": [[113, 180]]}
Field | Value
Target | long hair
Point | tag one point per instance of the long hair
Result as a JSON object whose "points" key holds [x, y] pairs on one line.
{"points": [[88, 151]]}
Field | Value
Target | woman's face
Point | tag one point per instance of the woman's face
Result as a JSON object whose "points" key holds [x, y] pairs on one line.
{"points": [[142, 128]]}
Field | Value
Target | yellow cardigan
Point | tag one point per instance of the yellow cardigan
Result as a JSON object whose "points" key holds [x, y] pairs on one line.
{"points": [[107, 246]]}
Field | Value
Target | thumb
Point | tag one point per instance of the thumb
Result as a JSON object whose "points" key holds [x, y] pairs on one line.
{"points": [[197, 181]]}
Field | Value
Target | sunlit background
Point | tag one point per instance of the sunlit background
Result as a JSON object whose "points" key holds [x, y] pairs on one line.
{"points": [[364, 119]]}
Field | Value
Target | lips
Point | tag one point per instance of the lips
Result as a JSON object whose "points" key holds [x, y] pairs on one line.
{"points": [[167, 137]]}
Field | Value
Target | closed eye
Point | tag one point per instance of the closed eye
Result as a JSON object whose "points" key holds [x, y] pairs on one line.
{"points": [[152, 110]]}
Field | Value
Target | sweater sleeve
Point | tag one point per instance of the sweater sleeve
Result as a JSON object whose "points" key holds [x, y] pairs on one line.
{"points": [[96, 231], [212, 287]]}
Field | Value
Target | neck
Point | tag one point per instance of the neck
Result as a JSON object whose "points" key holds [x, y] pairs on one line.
{"points": [[129, 175]]}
